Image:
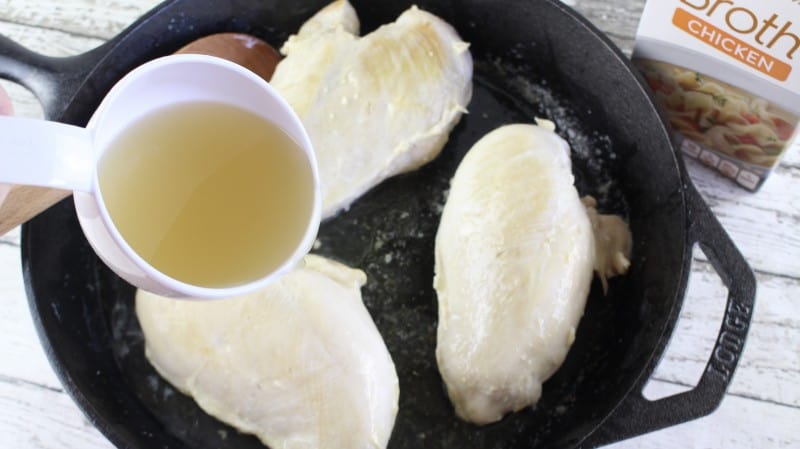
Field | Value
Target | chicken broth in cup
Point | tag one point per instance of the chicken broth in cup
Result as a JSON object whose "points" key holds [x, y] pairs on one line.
{"points": [[207, 193], [194, 178]]}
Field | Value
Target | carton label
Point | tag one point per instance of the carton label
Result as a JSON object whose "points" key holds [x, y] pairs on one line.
{"points": [[731, 46], [727, 73]]}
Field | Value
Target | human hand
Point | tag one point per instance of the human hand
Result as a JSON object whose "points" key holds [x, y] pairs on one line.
{"points": [[6, 108]]}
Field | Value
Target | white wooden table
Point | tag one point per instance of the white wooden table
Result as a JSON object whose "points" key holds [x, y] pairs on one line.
{"points": [[761, 410]]}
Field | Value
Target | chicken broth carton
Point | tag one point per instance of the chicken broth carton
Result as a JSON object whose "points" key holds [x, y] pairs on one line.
{"points": [[727, 74]]}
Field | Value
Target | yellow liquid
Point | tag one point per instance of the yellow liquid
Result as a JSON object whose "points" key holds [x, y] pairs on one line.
{"points": [[208, 194]]}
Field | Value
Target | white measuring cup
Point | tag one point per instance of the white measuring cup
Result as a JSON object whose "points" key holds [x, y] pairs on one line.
{"points": [[49, 154]]}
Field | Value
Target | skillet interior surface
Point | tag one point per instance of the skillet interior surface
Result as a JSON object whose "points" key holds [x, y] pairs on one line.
{"points": [[532, 59]]}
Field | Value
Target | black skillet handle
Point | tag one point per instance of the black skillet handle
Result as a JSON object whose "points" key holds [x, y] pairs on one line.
{"points": [[53, 80], [637, 415]]}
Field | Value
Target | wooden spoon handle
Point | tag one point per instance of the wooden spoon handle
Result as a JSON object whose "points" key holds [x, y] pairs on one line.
{"points": [[26, 202], [248, 51]]}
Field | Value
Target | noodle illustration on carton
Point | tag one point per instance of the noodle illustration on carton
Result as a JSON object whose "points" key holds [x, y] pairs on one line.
{"points": [[727, 74]]}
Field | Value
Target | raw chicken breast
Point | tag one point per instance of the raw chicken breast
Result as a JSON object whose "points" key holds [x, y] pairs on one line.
{"points": [[514, 258], [374, 106], [299, 364]]}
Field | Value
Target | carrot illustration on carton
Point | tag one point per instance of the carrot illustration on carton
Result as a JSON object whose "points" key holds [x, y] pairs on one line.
{"points": [[728, 76]]}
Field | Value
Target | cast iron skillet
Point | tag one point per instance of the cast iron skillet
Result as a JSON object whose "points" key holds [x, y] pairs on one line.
{"points": [[533, 58]]}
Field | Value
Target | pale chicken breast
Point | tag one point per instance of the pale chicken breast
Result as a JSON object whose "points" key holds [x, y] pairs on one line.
{"points": [[515, 252], [374, 106], [299, 364]]}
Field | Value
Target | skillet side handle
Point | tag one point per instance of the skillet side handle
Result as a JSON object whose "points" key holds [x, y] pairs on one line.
{"points": [[637, 415], [53, 80]]}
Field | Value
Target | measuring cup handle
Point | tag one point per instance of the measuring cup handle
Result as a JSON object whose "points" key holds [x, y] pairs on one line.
{"points": [[55, 157], [47, 154]]}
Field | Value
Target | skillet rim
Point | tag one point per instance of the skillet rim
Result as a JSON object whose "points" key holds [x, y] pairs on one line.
{"points": [[111, 47]]}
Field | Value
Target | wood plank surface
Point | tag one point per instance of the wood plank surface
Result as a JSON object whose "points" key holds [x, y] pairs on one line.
{"points": [[761, 410]]}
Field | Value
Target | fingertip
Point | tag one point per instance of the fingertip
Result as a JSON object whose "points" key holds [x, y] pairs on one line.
{"points": [[6, 108]]}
